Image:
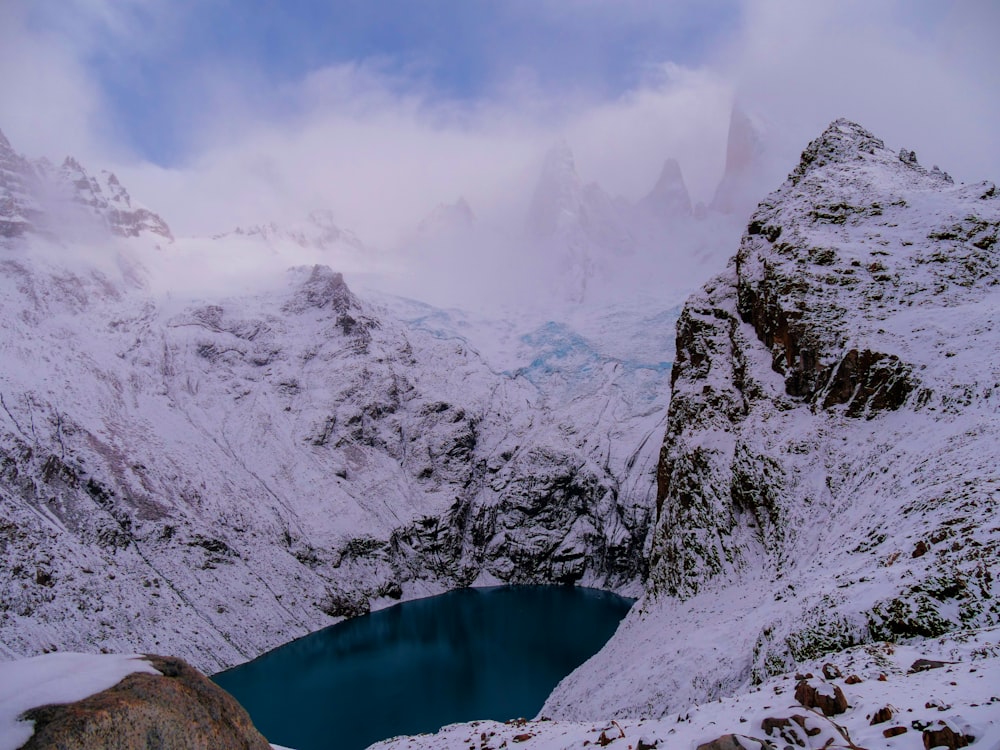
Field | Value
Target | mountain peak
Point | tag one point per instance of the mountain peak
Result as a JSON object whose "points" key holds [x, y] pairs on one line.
{"points": [[559, 159], [744, 142], [842, 141], [321, 288]]}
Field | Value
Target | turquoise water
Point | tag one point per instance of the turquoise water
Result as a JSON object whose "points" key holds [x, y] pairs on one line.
{"points": [[470, 654]]}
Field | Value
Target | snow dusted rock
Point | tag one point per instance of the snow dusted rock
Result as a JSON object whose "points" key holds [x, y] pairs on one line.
{"points": [[110, 202], [83, 701], [827, 476], [579, 225], [18, 207], [319, 231], [34, 197], [813, 693], [214, 479], [558, 194]]}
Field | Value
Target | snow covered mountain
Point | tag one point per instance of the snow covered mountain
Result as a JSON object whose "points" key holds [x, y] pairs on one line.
{"points": [[827, 477], [318, 231], [213, 478], [824, 564], [669, 198]]}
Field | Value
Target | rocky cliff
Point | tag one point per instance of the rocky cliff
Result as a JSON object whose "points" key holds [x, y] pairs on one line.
{"points": [[827, 477]]}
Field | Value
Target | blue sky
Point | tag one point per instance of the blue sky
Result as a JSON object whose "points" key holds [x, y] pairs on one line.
{"points": [[460, 50], [221, 112]]}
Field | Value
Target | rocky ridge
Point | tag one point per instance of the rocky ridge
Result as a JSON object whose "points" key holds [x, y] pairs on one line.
{"points": [[318, 231], [37, 198], [824, 480]]}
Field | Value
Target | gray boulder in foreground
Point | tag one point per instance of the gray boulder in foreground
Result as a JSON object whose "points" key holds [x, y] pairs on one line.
{"points": [[180, 708]]}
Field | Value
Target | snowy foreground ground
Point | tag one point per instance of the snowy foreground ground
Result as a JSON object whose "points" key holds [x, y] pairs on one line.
{"points": [[963, 694], [916, 705]]}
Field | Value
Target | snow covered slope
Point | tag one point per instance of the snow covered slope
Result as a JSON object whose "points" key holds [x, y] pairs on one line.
{"points": [[220, 479], [828, 476]]}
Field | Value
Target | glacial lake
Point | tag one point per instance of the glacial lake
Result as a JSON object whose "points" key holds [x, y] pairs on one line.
{"points": [[493, 653]]}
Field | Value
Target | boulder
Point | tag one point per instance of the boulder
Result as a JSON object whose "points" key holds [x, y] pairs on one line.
{"points": [[942, 735], [178, 709], [827, 698], [734, 742]]}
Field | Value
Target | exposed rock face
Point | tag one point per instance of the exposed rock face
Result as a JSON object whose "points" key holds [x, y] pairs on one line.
{"points": [[179, 708], [825, 478], [821, 299]]}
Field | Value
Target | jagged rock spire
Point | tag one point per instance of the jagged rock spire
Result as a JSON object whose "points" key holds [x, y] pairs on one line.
{"points": [[669, 197], [744, 147], [557, 195]]}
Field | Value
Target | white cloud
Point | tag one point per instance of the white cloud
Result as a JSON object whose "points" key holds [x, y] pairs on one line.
{"points": [[380, 147], [891, 66], [49, 104]]}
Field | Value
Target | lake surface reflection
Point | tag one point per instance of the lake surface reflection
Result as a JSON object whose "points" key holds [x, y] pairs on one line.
{"points": [[492, 653]]}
